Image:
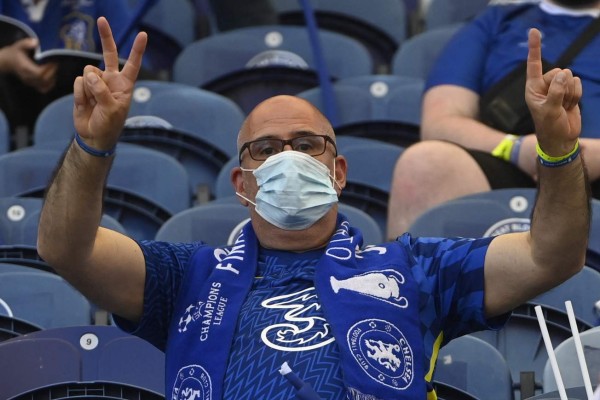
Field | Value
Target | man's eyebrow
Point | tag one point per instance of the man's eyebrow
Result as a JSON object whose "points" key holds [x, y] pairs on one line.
{"points": [[294, 133]]}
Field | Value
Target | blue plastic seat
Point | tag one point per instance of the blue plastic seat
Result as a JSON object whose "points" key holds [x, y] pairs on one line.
{"points": [[197, 127], [417, 54], [495, 212], [381, 107], [475, 366], [170, 25], [369, 178], [135, 194], [251, 64], [101, 361], [218, 223], [11, 327], [521, 344], [43, 299], [4, 134], [380, 25], [441, 13], [568, 363]]}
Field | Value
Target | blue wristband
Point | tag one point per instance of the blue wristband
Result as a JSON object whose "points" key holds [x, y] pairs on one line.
{"points": [[91, 150], [546, 160], [516, 150]]}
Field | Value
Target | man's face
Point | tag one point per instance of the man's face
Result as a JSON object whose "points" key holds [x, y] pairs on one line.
{"points": [[283, 118]]}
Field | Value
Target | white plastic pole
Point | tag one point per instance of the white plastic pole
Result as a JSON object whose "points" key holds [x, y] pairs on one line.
{"points": [[580, 355], [551, 355]]}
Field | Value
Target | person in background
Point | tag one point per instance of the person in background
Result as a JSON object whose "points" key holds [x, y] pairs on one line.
{"points": [[299, 288], [27, 87], [461, 153]]}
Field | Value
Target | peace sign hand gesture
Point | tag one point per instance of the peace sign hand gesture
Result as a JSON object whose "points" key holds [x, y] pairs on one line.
{"points": [[102, 98], [553, 100]]}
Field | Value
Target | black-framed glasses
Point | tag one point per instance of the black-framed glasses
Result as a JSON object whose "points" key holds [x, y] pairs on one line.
{"points": [[261, 149]]}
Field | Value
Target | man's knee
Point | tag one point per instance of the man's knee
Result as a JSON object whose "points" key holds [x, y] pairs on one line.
{"points": [[430, 160]]}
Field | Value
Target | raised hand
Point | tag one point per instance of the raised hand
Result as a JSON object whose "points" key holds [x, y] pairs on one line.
{"points": [[553, 100], [102, 97]]}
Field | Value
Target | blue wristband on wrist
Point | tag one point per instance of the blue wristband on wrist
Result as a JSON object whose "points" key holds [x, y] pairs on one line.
{"points": [[91, 150]]}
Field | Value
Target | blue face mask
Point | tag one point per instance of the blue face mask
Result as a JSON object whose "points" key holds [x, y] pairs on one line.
{"points": [[294, 190]]}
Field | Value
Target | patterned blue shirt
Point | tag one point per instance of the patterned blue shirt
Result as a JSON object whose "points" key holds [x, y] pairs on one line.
{"points": [[281, 319], [494, 43]]}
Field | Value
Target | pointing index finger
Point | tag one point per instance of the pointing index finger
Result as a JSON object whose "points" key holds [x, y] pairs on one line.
{"points": [[534, 57], [109, 47]]}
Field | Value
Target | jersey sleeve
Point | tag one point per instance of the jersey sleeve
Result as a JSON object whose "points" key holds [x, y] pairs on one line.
{"points": [[165, 267], [451, 272]]}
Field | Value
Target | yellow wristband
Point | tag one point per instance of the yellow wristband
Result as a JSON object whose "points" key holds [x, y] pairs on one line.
{"points": [[551, 159], [504, 148]]}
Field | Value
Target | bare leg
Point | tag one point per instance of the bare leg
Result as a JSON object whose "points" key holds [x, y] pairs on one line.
{"points": [[427, 174]]}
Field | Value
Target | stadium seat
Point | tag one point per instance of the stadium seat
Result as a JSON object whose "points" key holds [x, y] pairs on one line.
{"points": [[475, 366], [43, 299], [251, 64], [19, 218], [380, 25], [170, 25], [495, 212], [417, 54], [96, 361], [217, 223], [381, 107], [568, 363], [11, 327], [583, 292], [197, 127], [4, 134], [521, 344], [369, 178], [135, 193], [441, 13]]}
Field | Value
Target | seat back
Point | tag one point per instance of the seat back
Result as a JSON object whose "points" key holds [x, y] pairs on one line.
{"points": [[417, 54], [103, 356], [568, 363], [251, 64], [492, 213], [441, 13], [219, 222], [521, 344], [475, 366], [4, 134], [170, 25], [11, 327], [43, 299], [381, 107], [483, 214], [135, 195], [368, 182], [581, 290], [380, 25]]}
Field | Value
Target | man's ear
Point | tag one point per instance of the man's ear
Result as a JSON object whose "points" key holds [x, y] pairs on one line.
{"points": [[341, 170], [237, 180]]}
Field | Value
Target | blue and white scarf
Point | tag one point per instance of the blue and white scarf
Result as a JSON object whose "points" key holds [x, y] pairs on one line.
{"points": [[368, 297]]}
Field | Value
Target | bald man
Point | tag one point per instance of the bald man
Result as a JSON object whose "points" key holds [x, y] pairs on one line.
{"points": [[299, 289]]}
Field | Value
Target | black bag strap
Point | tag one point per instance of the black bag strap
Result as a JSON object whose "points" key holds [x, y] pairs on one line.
{"points": [[590, 31]]}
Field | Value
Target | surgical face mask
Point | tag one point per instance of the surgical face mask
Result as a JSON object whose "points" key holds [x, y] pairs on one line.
{"points": [[294, 190]]}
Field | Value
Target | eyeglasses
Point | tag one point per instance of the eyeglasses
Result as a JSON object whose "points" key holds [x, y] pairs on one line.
{"points": [[261, 149]]}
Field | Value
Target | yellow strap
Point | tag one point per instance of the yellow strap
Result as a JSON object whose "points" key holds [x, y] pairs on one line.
{"points": [[504, 148], [551, 159]]}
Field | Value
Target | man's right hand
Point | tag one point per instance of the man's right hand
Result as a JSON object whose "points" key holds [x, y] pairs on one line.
{"points": [[102, 97]]}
